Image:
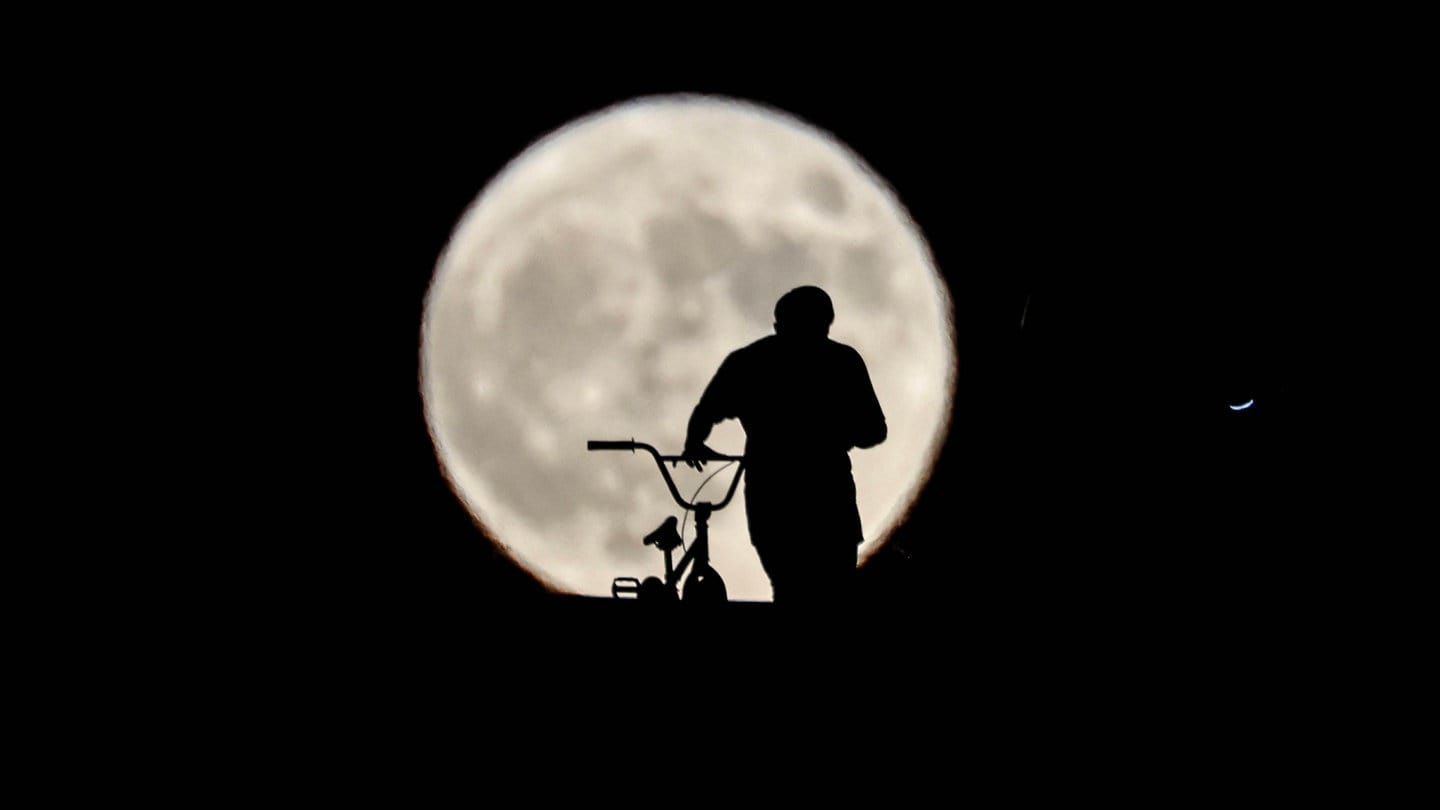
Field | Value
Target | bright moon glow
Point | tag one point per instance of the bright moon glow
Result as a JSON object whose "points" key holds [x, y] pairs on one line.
{"points": [[598, 282], [1242, 406]]}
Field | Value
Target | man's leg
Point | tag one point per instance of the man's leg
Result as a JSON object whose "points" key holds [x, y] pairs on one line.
{"points": [[806, 535]]}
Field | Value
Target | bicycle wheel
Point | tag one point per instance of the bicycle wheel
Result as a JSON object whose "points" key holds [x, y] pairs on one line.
{"points": [[655, 590], [705, 586]]}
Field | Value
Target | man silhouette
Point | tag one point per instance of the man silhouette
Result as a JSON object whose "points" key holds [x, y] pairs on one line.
{"points": [[805, 401]]}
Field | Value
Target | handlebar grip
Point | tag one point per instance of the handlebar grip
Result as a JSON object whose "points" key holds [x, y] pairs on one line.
{"points": [[603, 445]]}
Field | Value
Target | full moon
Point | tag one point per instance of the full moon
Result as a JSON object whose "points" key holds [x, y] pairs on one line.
{"points": [[597, 283]]}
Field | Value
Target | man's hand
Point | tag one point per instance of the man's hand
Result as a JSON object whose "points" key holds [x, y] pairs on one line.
{"points": [[697, 453]]}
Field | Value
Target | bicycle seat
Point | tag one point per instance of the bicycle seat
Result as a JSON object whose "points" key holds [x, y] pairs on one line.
{"points": [[665, 537]]}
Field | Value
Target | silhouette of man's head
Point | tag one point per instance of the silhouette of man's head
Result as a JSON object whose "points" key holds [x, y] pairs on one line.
{"points": [[804, 312]]}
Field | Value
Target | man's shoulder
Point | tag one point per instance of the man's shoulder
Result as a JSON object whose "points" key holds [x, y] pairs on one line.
{"points": [[845, 351], [773, 347], [771, 343], [759, 347]]}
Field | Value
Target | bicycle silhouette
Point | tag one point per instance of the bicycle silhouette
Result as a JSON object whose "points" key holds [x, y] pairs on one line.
{"points": [[704, 583]]}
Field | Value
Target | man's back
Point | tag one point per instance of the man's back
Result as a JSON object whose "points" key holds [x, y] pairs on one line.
{"points": [[808, 399]]}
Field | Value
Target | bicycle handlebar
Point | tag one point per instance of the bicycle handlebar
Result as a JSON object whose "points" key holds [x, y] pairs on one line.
{"points": [[601, 445], [660, 460]]}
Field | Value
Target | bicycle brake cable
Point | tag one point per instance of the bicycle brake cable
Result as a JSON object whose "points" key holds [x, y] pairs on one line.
{"points": [[695, 495]]}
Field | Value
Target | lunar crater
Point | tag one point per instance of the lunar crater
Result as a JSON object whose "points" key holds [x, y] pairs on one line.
{"points": [[825, 192], [864, 269], [687, 247]]}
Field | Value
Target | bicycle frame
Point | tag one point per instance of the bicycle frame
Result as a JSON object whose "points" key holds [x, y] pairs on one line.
{"points": [[697, 557]]}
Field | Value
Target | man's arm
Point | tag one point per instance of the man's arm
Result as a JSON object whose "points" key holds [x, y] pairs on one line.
{"points": [[715, 406], [869, 425]]}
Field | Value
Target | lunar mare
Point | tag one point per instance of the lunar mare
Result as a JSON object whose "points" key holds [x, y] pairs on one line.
{"points": [[597, 283]]}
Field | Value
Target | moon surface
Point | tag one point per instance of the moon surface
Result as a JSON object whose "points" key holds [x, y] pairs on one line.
{"points": [[597, 283], [1242, 406]]}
